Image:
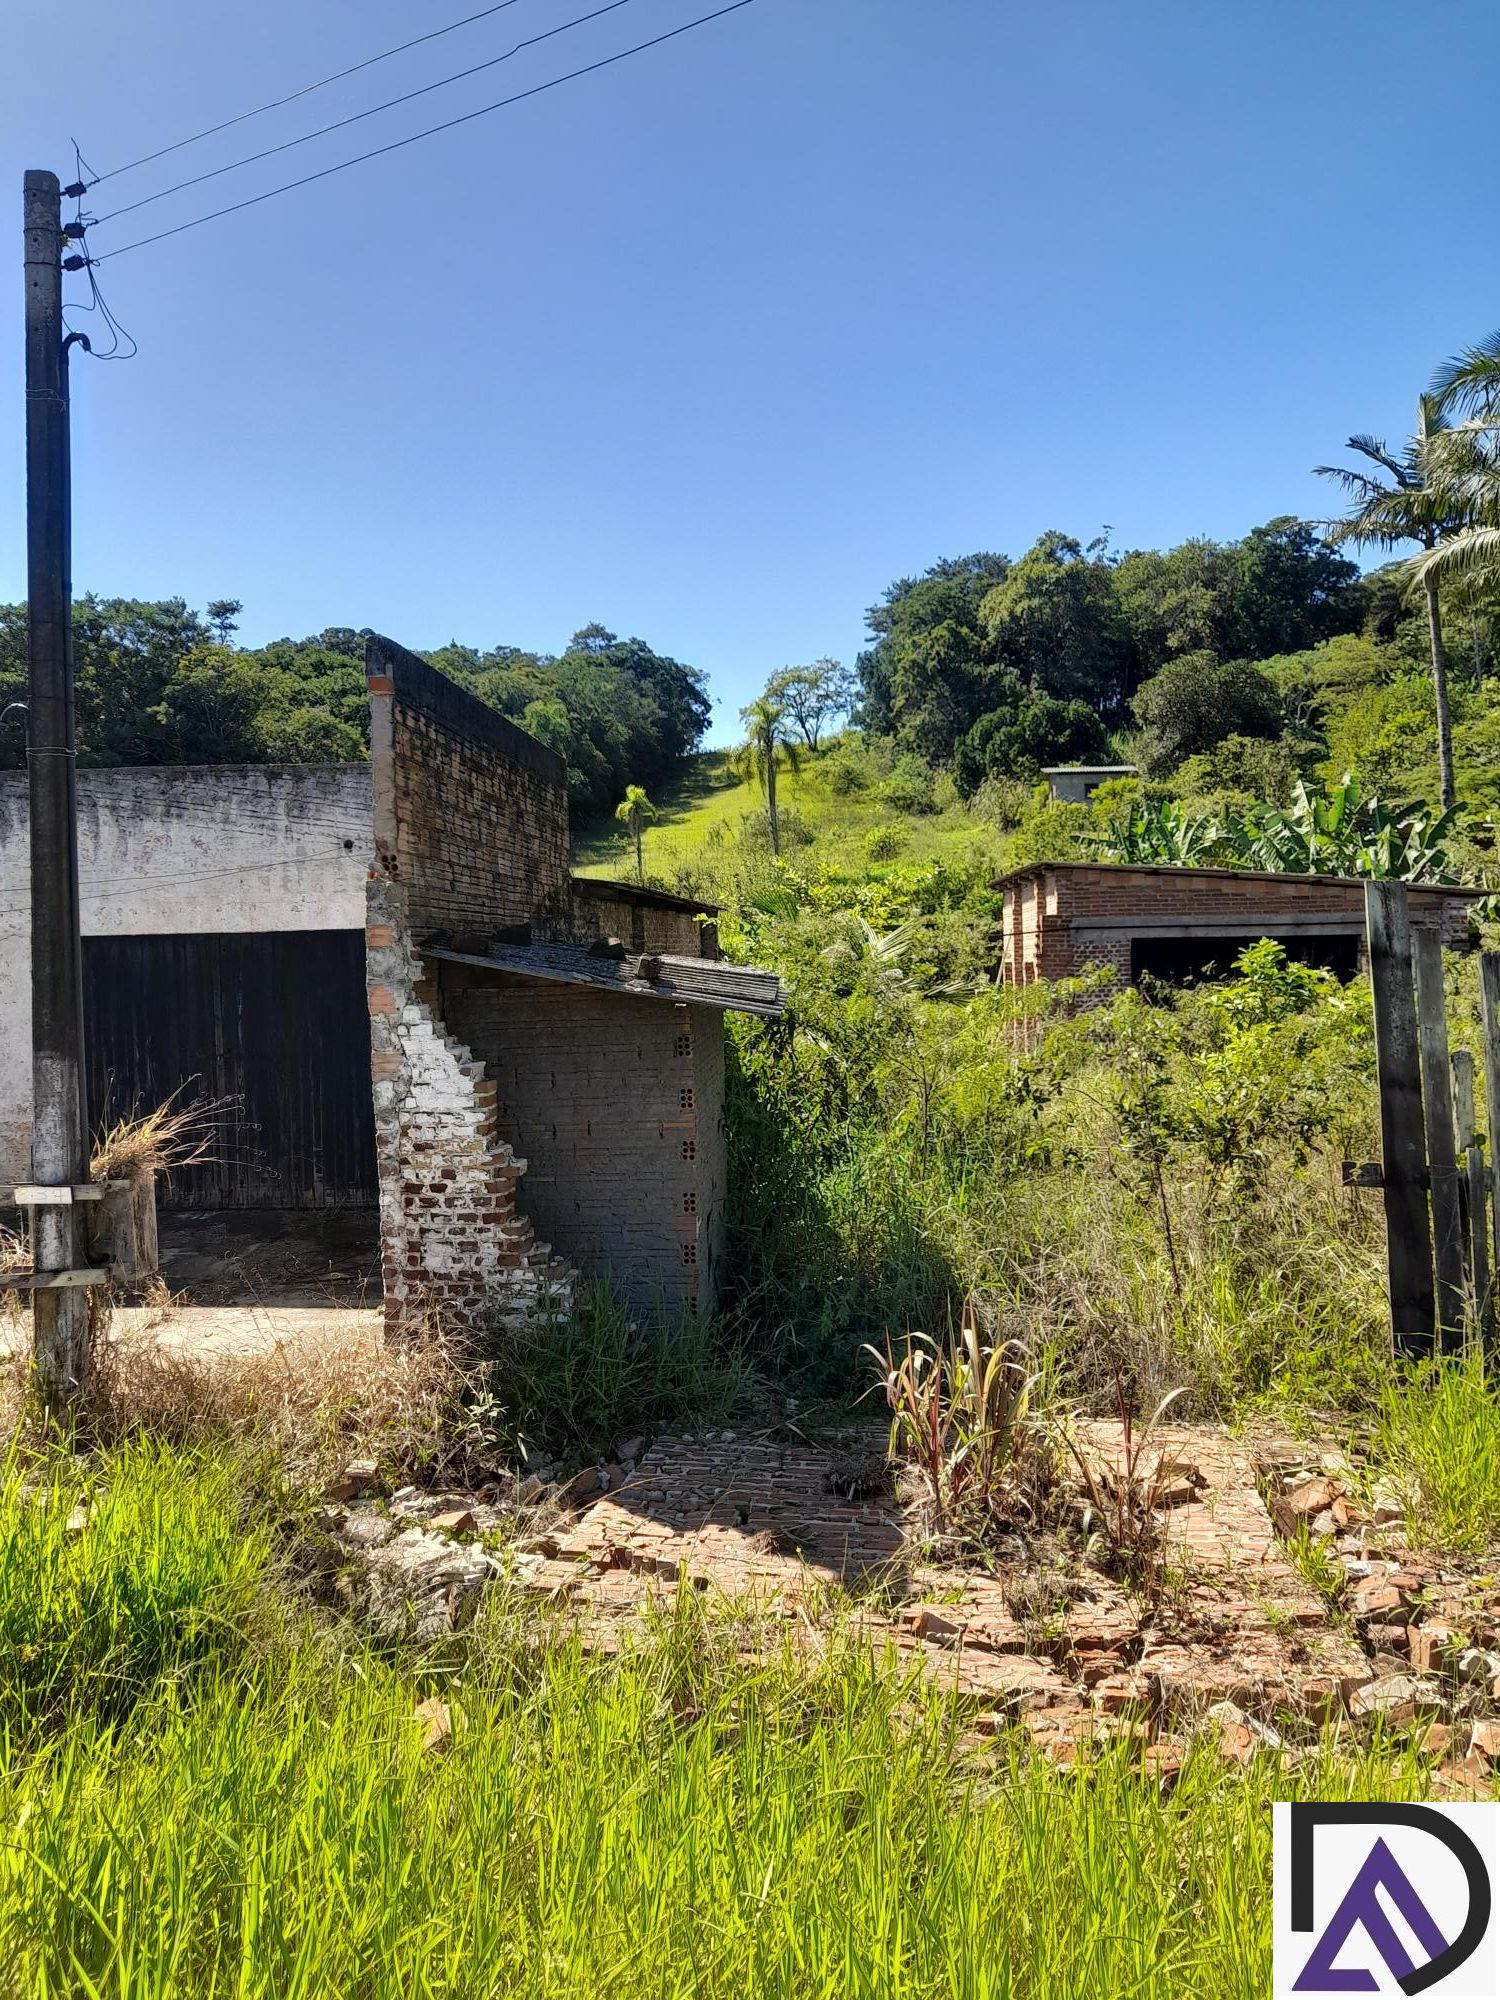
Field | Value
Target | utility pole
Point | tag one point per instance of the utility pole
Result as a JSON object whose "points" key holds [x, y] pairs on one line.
{"points": [[60, 1311]]}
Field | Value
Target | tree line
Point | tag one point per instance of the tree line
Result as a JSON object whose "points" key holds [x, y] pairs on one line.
{"points": [[1242, 663], [160, 683]]}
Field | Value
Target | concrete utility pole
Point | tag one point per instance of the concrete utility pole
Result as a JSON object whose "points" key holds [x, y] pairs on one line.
{"points": [[59, 1125]]}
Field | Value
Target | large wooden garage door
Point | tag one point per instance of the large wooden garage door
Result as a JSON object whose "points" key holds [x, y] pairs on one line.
{"points": [[273, 1027]]}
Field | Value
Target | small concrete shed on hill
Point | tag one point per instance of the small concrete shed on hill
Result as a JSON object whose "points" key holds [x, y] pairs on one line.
{"points": [[1062, 917]]}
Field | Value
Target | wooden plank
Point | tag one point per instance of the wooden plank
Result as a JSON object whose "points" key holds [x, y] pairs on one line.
{"points": [[1489, 1007], [1442, 1150], [1473, 1194], [50, 1281], [1403, 1148]]}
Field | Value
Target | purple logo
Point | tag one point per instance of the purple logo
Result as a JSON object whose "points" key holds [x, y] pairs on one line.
{"points": [[1361, 1910]]}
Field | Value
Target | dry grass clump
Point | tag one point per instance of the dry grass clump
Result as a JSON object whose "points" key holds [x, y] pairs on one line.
{"points": [[315, 1403], [15, 1255], [154, 1142]]}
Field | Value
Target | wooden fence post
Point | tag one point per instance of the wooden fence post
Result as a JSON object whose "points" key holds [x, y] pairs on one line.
{"points": [[1473, 1194], [1442, 1152], [1489, 1006], [1403, 1151]]}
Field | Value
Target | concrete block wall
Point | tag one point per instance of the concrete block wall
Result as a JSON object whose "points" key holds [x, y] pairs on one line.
{"points": [[618, 1106], [176, 851]]}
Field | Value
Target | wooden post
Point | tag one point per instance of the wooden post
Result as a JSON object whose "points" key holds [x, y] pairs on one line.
{"points": [[1489, 1005], [1407, 1230], [1442, 1151], [1473, 1194]]}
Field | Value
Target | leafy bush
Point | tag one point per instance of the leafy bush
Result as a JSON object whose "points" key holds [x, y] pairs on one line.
{"points": [[886, 843], [909, 788]]}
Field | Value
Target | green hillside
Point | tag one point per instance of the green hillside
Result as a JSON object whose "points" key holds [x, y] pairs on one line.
{"points": [[843, 809]]}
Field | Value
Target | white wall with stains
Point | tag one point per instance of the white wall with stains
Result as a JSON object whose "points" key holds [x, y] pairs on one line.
{"points": [[181, 849]]}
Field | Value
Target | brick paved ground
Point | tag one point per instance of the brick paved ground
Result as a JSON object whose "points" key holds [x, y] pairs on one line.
{"points": [[1061, 1644]]}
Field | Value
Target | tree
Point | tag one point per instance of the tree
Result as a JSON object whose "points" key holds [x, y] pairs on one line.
{"points": [[1055, 620], [761, 754], [1467, 460], [223, 614], [1293, 590], [632, 812], [1414, 503], [1196, 701], [813, 696], [1180, 600], [946, 597], [1022, 734]]}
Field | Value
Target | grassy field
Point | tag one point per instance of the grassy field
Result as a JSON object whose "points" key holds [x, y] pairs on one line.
{"points": [[704, 815], [213, 1787]]}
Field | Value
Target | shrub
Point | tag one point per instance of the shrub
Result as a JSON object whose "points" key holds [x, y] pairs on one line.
{"points": [[1196, 701], [885, 843], [909, 788]]}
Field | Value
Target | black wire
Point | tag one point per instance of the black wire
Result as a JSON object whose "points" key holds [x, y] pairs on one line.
{"points": [[447, 126], [355, 117], [306, 91]]}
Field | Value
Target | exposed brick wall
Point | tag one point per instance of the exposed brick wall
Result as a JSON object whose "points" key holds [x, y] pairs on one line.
{"points": [[643, 919], [452, 1234], [471, 833], [618, 1106], [471, 813], [1064, 919]]}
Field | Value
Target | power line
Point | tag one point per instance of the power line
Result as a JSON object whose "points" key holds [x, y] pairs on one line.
{"points": [[306, 91], [448, 125], [355, 117]]}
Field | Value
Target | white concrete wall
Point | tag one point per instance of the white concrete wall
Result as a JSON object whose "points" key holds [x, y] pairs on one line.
{"points": [[180, 849]]}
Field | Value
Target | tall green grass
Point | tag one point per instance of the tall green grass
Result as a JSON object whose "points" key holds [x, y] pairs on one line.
{"points": [[113, 1577], [1438, 1438], [675, 1822], [611, 1370]]}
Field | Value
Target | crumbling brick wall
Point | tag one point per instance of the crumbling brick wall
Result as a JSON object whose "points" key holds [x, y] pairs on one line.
{"points": [[471, 833], [619, 1104], [452, 1234]]}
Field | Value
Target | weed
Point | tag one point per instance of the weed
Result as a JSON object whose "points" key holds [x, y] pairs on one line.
{"points": [[1437, 1437], [576, 1386], [962, 1421], [1313, 1558], [1124, 1499]]}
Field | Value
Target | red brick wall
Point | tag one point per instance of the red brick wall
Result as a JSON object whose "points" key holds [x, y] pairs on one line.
{"points": [[641, 919], [1060, 921], [471, 813]]}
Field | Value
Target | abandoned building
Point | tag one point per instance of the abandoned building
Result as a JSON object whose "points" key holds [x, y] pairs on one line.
{"points": [[389, 982], [1076, 784], [1062, 917]]}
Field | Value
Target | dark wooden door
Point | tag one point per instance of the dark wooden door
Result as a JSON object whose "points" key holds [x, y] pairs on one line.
{"points": [[270, 1027]]}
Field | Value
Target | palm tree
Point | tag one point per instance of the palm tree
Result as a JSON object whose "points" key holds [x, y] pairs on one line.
{"points": [[760, 756], [1416, 503], [1467, 457], [632, 812]]}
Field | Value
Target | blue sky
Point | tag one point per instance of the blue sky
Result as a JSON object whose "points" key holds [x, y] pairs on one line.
{"points": [[711, 345]]}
